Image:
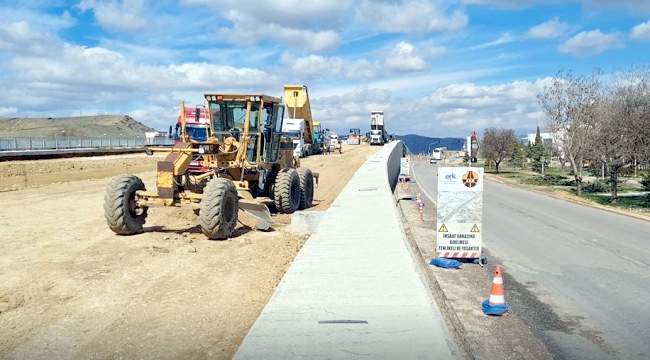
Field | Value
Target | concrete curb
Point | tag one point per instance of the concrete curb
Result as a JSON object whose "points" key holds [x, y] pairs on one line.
{"points": [[450, 316]]}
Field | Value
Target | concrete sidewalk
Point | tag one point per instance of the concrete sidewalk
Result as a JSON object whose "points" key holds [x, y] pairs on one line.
{"points": [[354, 290]]}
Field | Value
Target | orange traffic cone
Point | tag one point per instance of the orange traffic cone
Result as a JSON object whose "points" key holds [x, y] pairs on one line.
{"points": [[496, 304]]}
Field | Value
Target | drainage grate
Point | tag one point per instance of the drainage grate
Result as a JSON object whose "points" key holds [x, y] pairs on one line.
{"points": [[342, 322]]}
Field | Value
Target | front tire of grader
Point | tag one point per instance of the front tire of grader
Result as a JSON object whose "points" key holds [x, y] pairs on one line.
{"points": [[287, 191], [122, 214], [306, 188], [219, 209]]}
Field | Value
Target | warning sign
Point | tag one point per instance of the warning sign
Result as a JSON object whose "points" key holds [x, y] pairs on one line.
{"points": [[459, 212], [404, 166]]}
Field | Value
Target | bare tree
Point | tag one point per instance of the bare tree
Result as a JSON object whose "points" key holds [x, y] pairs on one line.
{"points": [[622, 126], [498, 144], [570, 103]]}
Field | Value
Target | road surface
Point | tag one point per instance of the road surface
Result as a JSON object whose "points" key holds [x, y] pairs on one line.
{"points": [[579, 276]]}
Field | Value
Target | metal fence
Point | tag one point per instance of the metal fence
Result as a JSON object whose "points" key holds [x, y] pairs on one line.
{"points": [[37, 143]]}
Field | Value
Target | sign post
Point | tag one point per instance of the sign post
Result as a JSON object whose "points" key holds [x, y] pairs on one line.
{"points": [[460, 212]]}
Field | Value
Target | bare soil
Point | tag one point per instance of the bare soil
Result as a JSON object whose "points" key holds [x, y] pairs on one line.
{"points": [[70, 288]]}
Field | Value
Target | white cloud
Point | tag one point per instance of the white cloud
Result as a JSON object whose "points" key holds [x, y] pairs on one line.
{"points": [[410, 16], [451, 110], [72, 78], [5, 111], [505, 4], [404, 58], [286, 13], [592, 42], [20, 38], [641, 31], [505, 38], [459, 108], [351, 109], [333, 67], [118, 15], [247, 30], [547, 30]]}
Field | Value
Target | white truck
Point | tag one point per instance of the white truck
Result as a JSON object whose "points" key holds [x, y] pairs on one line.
{"points": [[300, 124], [437, 155], [378, 135], [295, 130]]}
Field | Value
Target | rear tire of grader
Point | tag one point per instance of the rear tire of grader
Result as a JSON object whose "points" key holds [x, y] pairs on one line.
{"points": [[219, 209], [122, 214], [287, 191], [306, 188]]}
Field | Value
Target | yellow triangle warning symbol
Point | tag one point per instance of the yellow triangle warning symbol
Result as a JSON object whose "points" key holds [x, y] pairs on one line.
{"points": [[443, 228], [475, 229]]}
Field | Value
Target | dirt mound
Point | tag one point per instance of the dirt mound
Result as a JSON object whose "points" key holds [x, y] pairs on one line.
{"points": [[79, 126]]}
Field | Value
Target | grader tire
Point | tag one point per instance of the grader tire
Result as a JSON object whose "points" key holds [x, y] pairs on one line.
{"points": [[306, 188], [219, 209], [287, 191], [120, 211]]}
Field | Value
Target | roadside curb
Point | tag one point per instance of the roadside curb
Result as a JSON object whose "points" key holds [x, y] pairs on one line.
{"points": [[450, 316], [570, 198]]}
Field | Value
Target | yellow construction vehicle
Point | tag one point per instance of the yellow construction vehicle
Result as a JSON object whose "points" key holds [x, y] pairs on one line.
{"points": [[245, 171], [300, 126]]}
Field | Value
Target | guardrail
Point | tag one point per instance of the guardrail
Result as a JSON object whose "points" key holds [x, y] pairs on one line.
{"points": [[40, 143]]}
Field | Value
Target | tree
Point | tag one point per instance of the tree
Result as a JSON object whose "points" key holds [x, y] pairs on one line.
{"points": [[518, 156], [621, 114], [498, 144], [570, 103], [536, 152]]}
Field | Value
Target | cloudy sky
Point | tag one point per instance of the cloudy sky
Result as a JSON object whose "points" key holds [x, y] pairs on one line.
{"points": [[437, 68]]}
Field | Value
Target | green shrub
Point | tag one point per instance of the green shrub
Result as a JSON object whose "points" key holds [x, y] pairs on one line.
{"points": [[645, 182], [595, 187], [547, 180]]}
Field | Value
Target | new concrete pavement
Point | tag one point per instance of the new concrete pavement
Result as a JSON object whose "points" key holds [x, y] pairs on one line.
{"points": [[582, 274], [354, 290]]}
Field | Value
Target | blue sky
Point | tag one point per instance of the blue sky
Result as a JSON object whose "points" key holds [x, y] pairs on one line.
{"points": [[437, 68]]}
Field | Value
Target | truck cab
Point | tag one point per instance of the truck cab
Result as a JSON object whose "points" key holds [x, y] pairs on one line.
{"points": [[294, 129], [377, 129]]}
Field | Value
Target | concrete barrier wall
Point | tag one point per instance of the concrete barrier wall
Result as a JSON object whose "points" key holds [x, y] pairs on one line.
{"points": [[393, 163]]}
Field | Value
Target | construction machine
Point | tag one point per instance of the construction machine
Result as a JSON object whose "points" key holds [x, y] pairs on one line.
{"points": [[354, 138], [245, 171], [300, 125]]}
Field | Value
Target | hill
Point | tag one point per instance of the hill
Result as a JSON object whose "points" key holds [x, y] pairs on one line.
{"points": [[78, 126], [422, 144]]}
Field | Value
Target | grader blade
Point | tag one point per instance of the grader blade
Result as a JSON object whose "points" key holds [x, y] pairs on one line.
{"points": [[256, 213]]}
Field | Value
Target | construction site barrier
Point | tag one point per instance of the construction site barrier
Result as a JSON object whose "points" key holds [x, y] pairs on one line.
{"points": [[55, 143]]}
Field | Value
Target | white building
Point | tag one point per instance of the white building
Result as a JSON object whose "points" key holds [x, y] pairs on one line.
{"points": [[547, 138]]}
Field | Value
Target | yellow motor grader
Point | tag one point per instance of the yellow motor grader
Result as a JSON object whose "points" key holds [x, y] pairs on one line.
{"points": [[246, 165]]}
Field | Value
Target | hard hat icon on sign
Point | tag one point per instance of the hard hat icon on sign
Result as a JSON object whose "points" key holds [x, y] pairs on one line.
{"points": [[470, 179]]}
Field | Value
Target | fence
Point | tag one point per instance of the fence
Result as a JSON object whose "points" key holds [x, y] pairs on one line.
{"points": [[37, 143]]}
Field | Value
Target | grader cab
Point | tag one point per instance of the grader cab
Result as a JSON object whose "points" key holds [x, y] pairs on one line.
{"points": [[245, 166]]}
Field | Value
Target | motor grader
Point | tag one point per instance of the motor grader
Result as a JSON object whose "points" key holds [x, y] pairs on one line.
{"points": [[244, 170]]}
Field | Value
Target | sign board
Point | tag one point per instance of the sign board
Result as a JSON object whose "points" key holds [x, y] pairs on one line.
{"points": [[404, 168], [460, 212]]}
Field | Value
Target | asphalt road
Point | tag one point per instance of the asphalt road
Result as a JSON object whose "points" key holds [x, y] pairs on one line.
{"points": [[579, 276]]}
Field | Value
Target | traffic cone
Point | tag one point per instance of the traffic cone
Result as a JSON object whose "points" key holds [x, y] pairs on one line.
{"points": [[496, 304]]}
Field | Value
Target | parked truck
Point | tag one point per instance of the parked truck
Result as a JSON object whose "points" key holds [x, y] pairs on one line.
{"points": [[378, 134], [300, 124]]}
